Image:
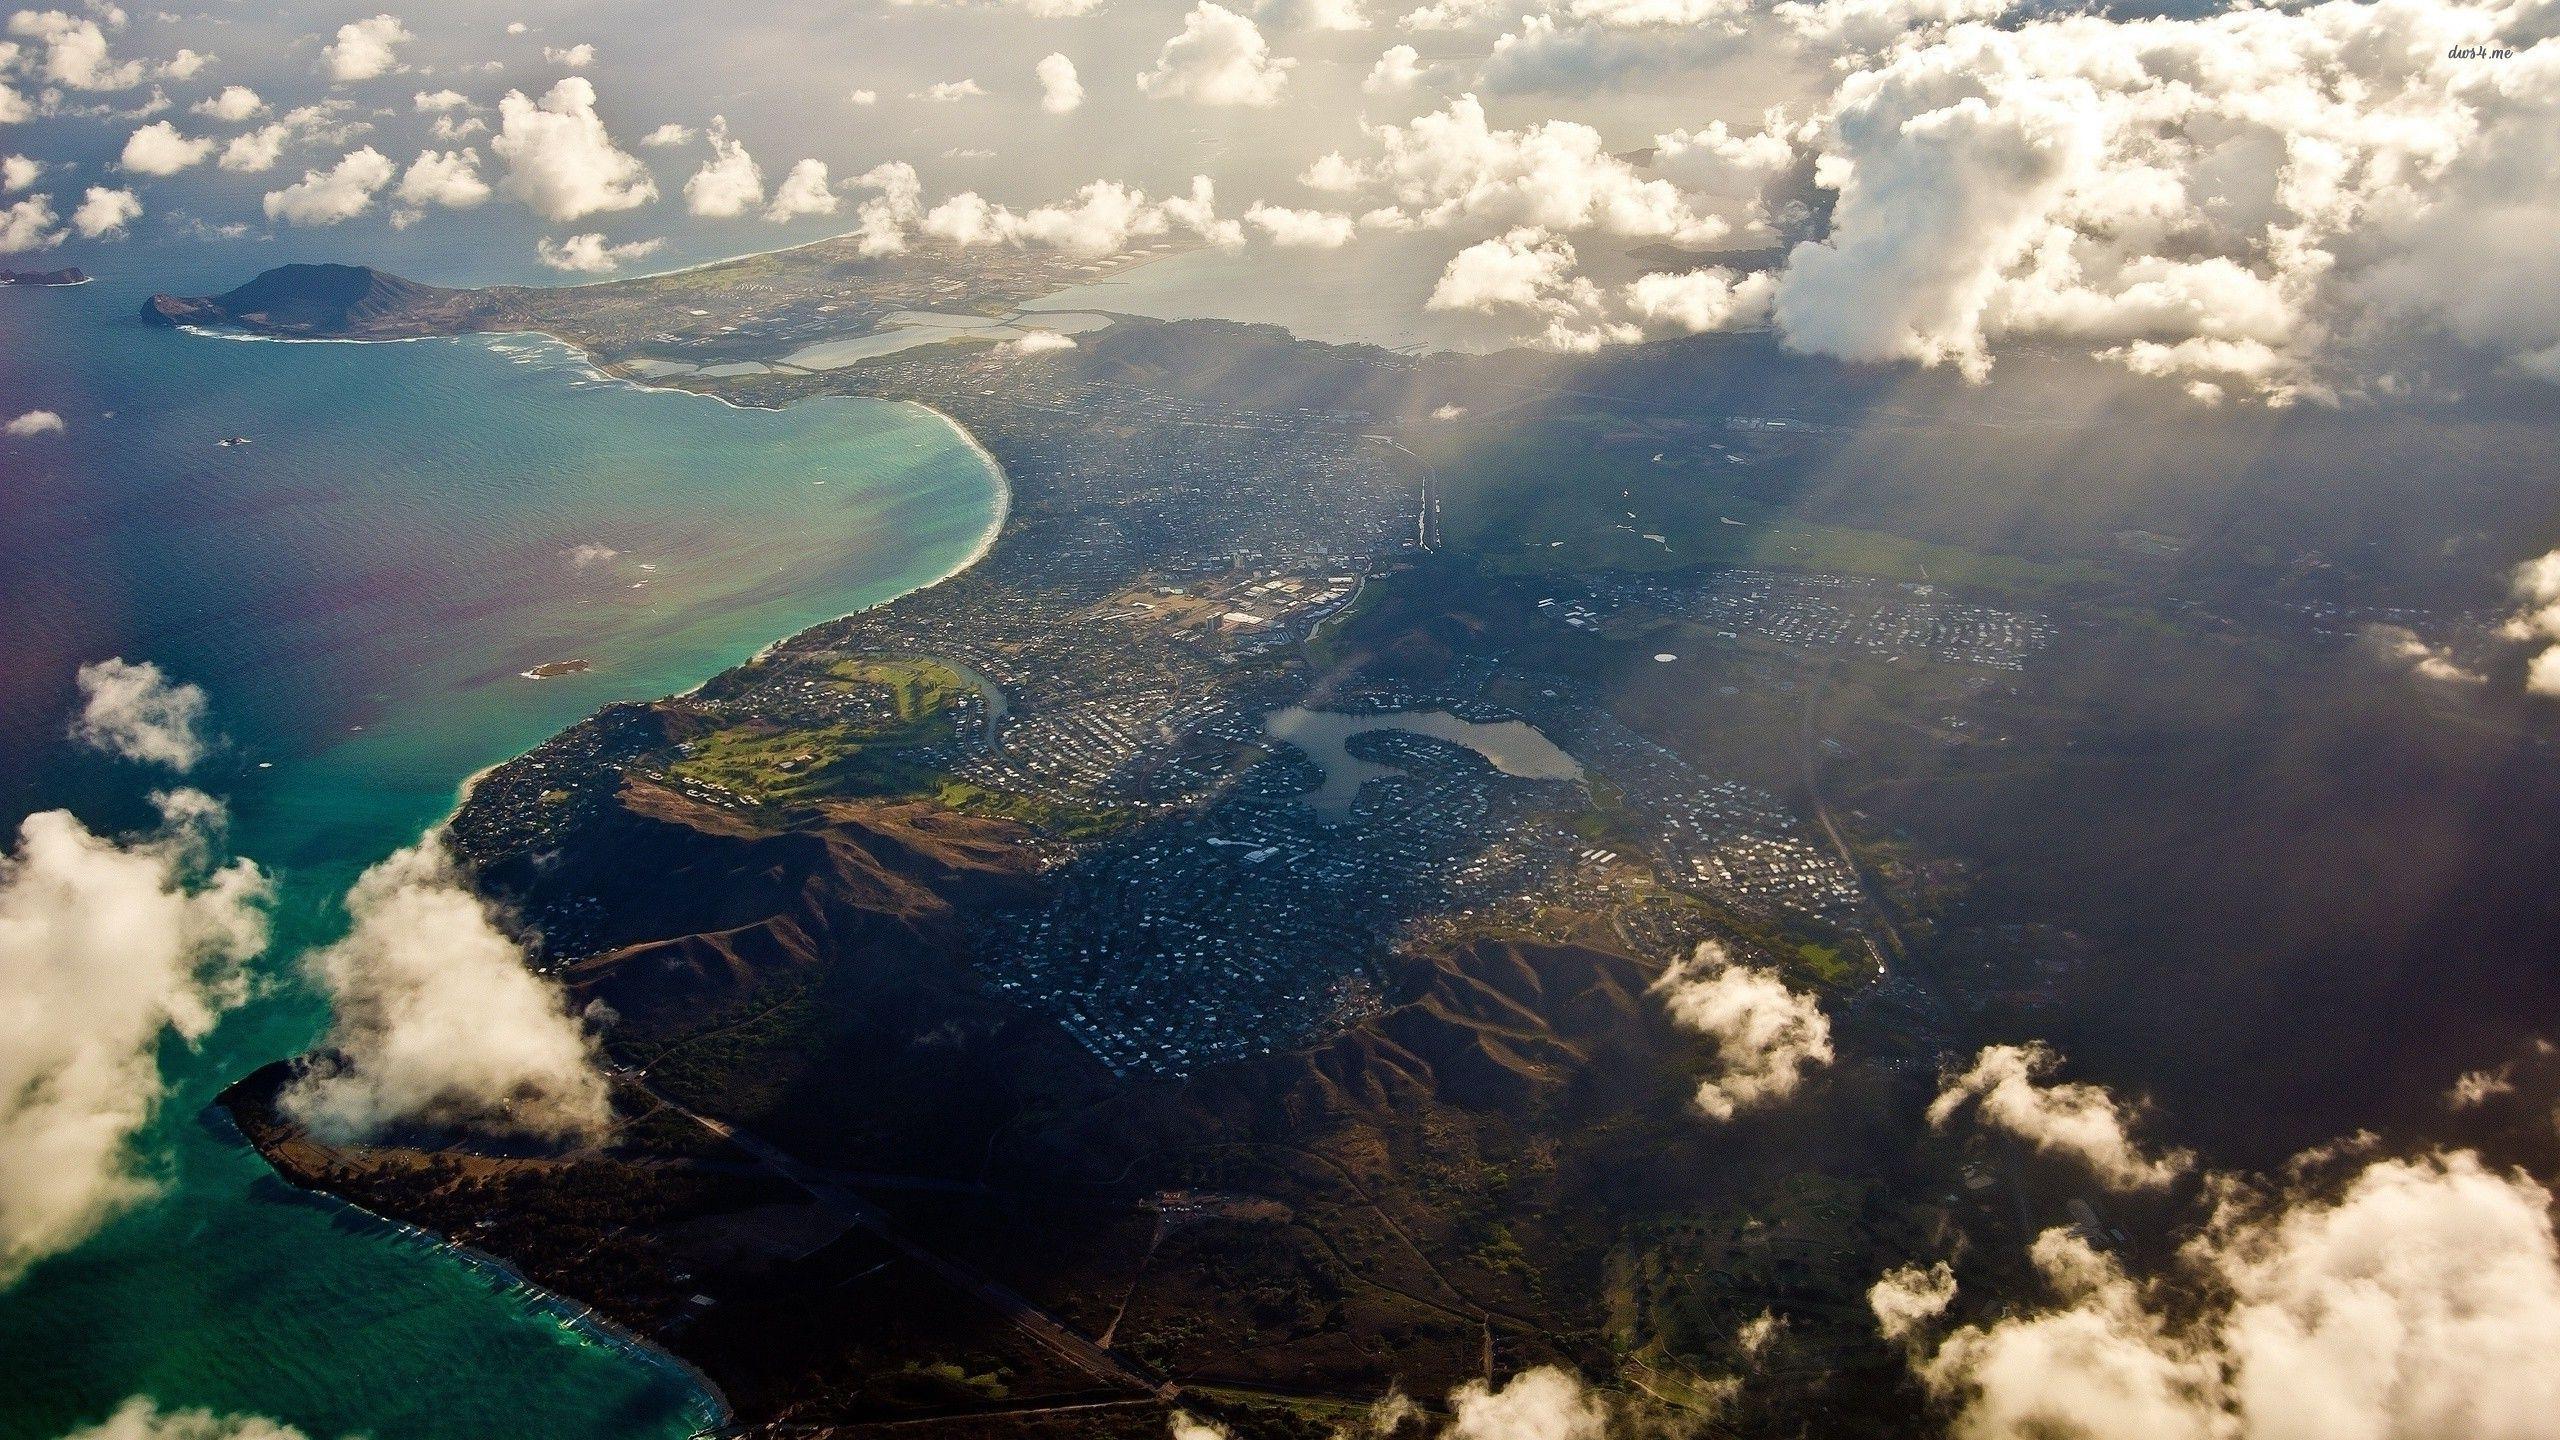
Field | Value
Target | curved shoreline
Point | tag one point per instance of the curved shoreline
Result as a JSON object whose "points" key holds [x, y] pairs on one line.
{"points": [[576, 1315], [985, 547]]}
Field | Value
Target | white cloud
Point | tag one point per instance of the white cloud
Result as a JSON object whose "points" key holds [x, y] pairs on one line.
{"points": [[589, 254], [1219, 58], [669, 135], [561, 161], [1037, 9], [1697, 301], [2404, 646], [1766, 1035], [862, 97], [438, 1021], [140, 1419], [450, 178], [134, 710], [881, 222], [2010, 1089], [1041, 342], [30, 224], [1543, 1403], [1196, 211], [1874, 24], [17, 172], [257, 151], [729, 183], [1907, 1298], [154, 104], [1103, 218], [1312, 14], [428, 102], [1060, 91], [366, 48], [1399, 68], [1592, 46], [14, 107], [104, 212], [2536, 585], [2475, 1088], [33, 422], [1456, 14], [158, 149], [1718, 158], [805, 191], [1452, 166], [1302, 229], [2421, 1302], [335, 195], [944, 92], [234, 104], [2297, 202], [1527, 271], [106, 946], [75, 52], [574, 57], [1755, 1335]]}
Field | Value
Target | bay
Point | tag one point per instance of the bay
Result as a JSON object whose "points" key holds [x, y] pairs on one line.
{"points": [[359, 589]]}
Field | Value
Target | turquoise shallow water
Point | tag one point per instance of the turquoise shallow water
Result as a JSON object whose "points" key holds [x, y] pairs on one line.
{"points": [[357, 590]]}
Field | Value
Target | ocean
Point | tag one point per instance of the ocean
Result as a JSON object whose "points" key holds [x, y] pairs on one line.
{"points": [[358, 590]]}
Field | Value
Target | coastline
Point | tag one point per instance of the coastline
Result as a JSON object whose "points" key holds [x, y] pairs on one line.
{"points": [[978, 553], [583, 1319], [568, 1311], [600, 371]]}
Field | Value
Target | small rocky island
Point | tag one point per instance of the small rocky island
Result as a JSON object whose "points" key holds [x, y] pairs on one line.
{"points": [[67, 275]]}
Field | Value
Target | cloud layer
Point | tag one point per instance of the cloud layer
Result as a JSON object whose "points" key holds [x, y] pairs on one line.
{"points": [[2420, 1302]]}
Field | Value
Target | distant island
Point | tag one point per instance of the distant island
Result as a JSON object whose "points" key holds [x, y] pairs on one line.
{"points": [[554, 669], [67, 275]]}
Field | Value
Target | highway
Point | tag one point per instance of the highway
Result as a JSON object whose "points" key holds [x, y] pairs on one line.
{"points": [[841, 1199], [1878, 922]]}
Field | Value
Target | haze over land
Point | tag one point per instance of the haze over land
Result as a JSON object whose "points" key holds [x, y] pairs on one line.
{"points": [[1763, 763]]}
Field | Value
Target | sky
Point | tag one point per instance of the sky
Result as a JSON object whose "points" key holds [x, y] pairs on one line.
{"points": [[2340, 203]]}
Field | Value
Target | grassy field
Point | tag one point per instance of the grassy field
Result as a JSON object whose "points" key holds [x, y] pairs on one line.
{"points": [[778, 766], [1560, 499], [1061, 819]]}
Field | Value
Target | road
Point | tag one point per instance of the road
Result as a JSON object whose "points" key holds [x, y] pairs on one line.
{"points": [[1878, 922], [838, 1197]]}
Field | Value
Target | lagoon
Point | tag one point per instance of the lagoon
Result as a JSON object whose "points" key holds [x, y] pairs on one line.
{"points": [[1514, 747]]}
